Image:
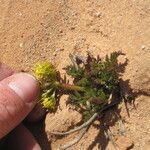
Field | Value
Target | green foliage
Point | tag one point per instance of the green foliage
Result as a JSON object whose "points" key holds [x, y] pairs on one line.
{"points": [[94, 82], [99, 77], [72, 71]]}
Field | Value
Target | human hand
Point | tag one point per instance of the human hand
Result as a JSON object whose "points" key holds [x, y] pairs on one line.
{"points": [[18, 94]]}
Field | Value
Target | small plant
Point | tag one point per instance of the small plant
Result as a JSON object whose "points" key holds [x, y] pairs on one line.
{"points": [[99, 78], [51, 84], [95, 87]]}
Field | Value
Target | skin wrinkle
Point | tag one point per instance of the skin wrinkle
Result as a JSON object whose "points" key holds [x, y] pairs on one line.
{"points": [[5, 71], [3, 118], [7, 114]]}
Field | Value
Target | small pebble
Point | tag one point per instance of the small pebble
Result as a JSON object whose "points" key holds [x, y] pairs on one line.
{"points": [[59, 49], [54, 54], [143, 47], [60, 31], [20, 14], [21, 45], [72, 28], [124, 143], [98, 14]]}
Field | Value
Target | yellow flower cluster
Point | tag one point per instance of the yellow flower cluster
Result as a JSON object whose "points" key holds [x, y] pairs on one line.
{"points": [[48, 100], [45, 71], [46, 74]]}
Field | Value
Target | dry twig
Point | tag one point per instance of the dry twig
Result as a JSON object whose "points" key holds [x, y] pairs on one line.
{"points": [[86, 124], [75, 140]]}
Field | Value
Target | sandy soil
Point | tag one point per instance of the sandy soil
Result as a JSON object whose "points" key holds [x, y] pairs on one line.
{"points": [[31, 31]]}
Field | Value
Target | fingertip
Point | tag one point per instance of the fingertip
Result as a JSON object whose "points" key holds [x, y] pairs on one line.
{"points": [[18, 95], [25, 86]]}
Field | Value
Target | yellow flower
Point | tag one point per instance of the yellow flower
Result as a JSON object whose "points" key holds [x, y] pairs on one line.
{"points": [[48, 103], [48, 100], [45, 71]]}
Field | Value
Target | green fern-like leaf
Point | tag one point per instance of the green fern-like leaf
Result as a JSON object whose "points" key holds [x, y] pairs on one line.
{"points": [[99, 77]]}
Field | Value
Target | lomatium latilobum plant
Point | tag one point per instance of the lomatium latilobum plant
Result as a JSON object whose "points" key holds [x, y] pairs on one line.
{"points": [[50, 84], [95, 82]]}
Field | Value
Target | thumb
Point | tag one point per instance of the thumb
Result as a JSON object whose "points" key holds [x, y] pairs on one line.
{"points": [[18, 94]]}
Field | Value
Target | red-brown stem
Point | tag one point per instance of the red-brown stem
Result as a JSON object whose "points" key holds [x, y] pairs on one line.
{"points": [[70, 87]]}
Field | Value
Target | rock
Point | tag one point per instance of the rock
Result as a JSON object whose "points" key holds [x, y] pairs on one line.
{"points": [[98, 14], [54, 54], [124, 143], [59, 49], [60, 31], [21, 45], [62, 120], [72, 28], [143, 47]]}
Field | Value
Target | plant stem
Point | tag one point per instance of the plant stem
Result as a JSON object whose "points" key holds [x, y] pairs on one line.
{"points": [[70, 87], [76, 140]]}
